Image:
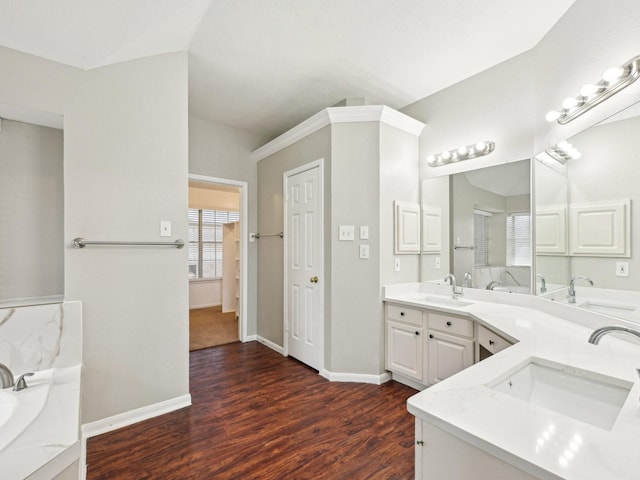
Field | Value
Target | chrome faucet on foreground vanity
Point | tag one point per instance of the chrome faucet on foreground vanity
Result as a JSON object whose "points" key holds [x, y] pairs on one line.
{"points": [[572, 288], [601, 332], [7, 379], [457, 291]]}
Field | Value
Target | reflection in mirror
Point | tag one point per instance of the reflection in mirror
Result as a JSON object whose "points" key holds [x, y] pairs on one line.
{"points": [[31, 213], [602, 218], [486, 234]]}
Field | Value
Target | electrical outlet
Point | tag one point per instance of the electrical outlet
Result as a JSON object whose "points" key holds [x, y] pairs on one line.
{"points": [[364, 233], [438, 263], [622, 269], [396, 265]]}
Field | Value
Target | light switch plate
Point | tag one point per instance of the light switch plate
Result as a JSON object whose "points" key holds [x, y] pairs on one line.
{"points": [[622, 269], [396, 264], [437, 263], [346, 232], [165, 228], [364, 252], [364, 233]]}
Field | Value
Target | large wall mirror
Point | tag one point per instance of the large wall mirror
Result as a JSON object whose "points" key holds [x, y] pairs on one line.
{"points": [[31, 207], [587, 217], [477, 225]]}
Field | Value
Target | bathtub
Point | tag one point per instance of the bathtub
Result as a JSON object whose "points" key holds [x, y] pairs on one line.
{"points": [[39, 426]]}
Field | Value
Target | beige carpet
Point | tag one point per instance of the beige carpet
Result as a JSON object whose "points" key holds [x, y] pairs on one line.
{"points": [[209, 327]]}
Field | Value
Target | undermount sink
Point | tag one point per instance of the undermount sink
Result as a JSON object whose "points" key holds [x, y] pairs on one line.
{"points": [[609, 308], [583, 395], [449, 302]]}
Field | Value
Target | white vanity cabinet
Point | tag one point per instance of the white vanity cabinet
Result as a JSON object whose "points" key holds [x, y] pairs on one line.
{"points": [[488, 343], [404, 341], [450, 345]]}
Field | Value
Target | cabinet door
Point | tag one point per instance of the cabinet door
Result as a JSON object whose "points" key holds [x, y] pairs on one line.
{"points": [[404, 349], [448, 354]]}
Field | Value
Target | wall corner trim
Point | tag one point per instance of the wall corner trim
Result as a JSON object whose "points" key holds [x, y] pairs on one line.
{"points": [[271, 345], [356, 377], [124, 419], [367, 113]]}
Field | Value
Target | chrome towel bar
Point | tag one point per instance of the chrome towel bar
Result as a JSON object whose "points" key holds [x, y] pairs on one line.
{"points": [[81, 243], [258, 236]]}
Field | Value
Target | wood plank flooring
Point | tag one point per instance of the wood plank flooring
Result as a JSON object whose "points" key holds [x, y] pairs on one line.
{"points": [[259, 415]]}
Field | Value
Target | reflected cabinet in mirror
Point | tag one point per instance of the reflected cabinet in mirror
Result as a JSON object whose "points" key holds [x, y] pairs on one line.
{"points": [[587, 220], [31, 213], [477, 225]]}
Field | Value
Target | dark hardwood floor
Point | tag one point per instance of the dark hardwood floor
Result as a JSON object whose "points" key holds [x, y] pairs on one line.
{"points": [[258, 415]]}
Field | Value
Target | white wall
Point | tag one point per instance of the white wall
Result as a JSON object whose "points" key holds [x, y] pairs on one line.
{"points": [[31, 211], [125, 169], [205, 293], [220, 151]]}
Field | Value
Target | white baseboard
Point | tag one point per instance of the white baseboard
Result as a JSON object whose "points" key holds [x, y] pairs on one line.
{"points": [[204, 305], [270, 344], [120, 420], [356, 377], [251, 338]]}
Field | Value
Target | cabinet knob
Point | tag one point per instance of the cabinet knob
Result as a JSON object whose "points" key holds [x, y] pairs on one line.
{"points": [[448, 324], [402, 314], [491, 342], [417, 333], [430, 336], [419, 442]]}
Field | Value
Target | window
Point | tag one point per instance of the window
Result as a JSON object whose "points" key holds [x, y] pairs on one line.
{"points": [[481, 238], [205, 241], [519, 239]]}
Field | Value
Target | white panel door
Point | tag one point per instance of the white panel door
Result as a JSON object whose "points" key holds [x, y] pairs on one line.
{"points": [[303, 234]]}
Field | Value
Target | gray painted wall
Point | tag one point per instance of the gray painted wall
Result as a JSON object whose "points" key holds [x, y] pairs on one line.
{"points": [[32, 217], [125, 169]]}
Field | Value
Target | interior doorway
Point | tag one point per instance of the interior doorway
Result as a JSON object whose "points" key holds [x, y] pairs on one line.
{"points": [[217, 261]]}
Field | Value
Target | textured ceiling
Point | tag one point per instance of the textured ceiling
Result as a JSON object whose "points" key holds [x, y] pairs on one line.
{"points": [[266, 65]]}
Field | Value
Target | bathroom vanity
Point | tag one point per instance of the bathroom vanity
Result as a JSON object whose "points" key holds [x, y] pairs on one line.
{"points": [[545, 404]]}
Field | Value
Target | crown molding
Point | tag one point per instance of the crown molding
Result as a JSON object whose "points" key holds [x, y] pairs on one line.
{"points": [[328, 116]]}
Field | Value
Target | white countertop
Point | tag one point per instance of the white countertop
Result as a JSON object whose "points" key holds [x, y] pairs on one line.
{"points": [[543, 443]]}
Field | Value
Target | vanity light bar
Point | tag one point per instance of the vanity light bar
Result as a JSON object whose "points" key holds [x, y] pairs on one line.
{"points": [[563, 151], [462, 153], [613, 80]]}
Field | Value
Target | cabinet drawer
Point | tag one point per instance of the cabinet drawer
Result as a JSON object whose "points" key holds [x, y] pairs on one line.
{"points": [[490, 340], [451, 324], [404, 314]]}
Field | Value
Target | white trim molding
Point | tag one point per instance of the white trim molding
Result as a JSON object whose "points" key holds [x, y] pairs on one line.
{"points": [[271, 345], [367, 113], [356, 377]]}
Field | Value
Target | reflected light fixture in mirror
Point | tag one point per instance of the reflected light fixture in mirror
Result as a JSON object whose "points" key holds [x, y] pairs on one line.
{"points": [[563, 151], [613, 80], [466, 152]]}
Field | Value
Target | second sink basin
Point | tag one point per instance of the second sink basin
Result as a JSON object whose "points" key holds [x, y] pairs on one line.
{"points": [[583, 395], [449, 302]]}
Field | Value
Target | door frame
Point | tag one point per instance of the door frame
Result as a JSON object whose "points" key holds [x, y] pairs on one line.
{"points": [[244, 194], [321, 291]]}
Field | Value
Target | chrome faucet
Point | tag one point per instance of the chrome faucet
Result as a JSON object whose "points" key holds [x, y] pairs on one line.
{"points": [[601, 332], [572, 288], [543, 283], [457, 291], [491, 285], [6, 376], [468, 281]]}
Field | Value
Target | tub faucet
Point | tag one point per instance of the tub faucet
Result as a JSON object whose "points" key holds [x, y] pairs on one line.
{"points": [[6, 377], [491, 285], [468, 281], [457, 291], [601, 332], [572, 288], [543, 283]]}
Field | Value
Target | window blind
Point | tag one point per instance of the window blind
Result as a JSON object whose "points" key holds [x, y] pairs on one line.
{"points": [[519, 239], [480, 238], [205, 241]]}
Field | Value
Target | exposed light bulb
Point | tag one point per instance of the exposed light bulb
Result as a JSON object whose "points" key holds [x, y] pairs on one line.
{"points": [[590, 89], [570, 102], [614, 73], [431, 160], [481, 146], [552, 116], [463, 151], [575, 154], [446, 156], [564, 145]]}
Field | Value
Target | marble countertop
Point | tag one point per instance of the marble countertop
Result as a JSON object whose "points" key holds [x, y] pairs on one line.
{"points": [[545, 444]]}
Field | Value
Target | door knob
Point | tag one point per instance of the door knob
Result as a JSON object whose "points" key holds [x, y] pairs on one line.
{"points": [[313, 279]]}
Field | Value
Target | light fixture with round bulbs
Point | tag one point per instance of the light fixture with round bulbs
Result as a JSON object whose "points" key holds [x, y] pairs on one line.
{"points": [[465, 152], [613, 80]]}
